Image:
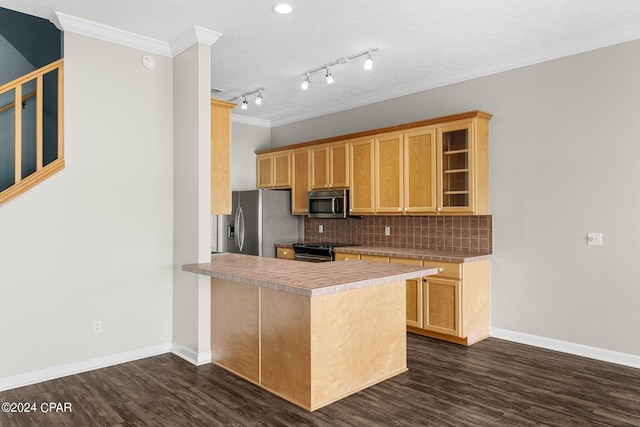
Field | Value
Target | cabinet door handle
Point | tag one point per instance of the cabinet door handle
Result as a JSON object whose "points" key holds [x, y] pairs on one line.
{"points": [[439, 209], [440, 270]]}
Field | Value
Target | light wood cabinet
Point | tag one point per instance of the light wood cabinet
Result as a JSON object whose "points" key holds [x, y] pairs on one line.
{"points": [[220, 137], [374, 258], [341, 256], [442, 306], [441, 170], [361, 177], [452, 305], [405, 173], [330, 166], [414, 294], [388, 173], [456, 302], [274, 170], [420, 163], [431, 167], [285, 253], [300, 185], [463, 167]]}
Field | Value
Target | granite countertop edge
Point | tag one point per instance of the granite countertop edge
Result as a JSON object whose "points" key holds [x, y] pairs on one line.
{"points": [[255, 277]]}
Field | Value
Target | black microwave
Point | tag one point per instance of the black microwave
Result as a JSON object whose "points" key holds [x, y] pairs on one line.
{"points": [[329, 204]]}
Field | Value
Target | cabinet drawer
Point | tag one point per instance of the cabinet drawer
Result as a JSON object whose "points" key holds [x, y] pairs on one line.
{"points": [[341, 256], [446, 269], [375, 258], [286, 253], [406, 261]]}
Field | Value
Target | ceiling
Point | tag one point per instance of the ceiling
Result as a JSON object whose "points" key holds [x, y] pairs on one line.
{"points": [[422, 43]]}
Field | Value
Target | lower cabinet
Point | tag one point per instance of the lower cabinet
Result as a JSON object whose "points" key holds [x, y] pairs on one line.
{"points": [[414, 294], [453, 305], [341, 256], [285, 253], [456, 302], [441, 306]]}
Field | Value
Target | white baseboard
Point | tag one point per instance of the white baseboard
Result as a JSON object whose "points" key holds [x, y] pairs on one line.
{"points": [[60, 371], [568, 347], [190, 355]]}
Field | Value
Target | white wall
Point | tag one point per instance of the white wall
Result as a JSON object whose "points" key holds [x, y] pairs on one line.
{"points": [[94, 242], [192, 201], [245, 141], [565, 160]]}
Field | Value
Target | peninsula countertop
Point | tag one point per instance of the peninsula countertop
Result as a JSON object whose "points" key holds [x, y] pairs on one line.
{"points": [[305, 278]]}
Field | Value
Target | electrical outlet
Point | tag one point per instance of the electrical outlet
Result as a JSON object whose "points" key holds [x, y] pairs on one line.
{"points": [[594, 239], [320, 229], [387, 231], [97, 326]]}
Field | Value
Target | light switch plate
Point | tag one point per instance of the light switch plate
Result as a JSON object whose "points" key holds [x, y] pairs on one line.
{"points": [[594, 239], [387, 231], [320, 229]]}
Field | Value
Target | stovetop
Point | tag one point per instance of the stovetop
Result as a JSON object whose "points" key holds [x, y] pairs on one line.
{"points": [[322, 244]]}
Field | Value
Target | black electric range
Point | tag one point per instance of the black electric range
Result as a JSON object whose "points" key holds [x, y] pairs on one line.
{"points": [[317, 252]]}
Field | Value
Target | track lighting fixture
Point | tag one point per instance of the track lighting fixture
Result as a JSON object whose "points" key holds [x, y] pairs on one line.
{"points": [[368, 65], [306, 82], [245, 103], [329, 77]]}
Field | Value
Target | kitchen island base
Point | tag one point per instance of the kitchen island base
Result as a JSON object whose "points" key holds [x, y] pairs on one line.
{"points": [[309, 350]]}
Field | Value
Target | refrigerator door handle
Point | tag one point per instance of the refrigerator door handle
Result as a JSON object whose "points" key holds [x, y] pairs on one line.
{"points": [[236, 226], [241, 229]]}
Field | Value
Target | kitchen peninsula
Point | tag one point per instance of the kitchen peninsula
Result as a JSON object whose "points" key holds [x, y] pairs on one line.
{"points": [[309, 333]]}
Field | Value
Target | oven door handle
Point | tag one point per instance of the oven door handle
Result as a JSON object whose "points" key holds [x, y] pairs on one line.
{"points": [[312, 258]]}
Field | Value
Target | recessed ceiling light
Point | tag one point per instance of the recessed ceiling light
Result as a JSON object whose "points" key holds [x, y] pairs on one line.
{"points": [[282, 8]]}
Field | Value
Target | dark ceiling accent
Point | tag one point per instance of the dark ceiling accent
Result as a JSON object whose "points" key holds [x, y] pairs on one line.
{"points": [[37, 39]]}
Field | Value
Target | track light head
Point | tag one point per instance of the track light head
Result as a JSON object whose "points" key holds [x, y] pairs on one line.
{"points": [[305, 84], [329, 77], [245, 104], [259, 98], [368, 63]]}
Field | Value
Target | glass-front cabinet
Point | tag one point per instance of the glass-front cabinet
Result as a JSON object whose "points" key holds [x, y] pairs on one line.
{"points": [[455, 179], [463, 169]]}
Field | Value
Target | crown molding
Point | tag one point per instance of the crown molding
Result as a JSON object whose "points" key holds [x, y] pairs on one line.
{"points": [[235, 118], [114, 35], [192, 36], [185, 40]]}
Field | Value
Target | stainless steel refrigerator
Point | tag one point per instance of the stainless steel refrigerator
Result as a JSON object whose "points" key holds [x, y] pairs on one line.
{"points": [[258, 220]]}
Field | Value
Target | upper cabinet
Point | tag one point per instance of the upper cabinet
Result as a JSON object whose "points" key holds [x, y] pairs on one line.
{"points": [[220, 184], [301, 184], [463, 172], [431, 167], [330, 166], [361, 177], [274, 170], [405, 178]]}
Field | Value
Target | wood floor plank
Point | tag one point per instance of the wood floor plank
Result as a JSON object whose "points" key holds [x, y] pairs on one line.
{"points": [[492, 383]]}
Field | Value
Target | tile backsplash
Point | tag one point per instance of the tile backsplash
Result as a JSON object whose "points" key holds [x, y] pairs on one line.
{"points": [[447, 233]]}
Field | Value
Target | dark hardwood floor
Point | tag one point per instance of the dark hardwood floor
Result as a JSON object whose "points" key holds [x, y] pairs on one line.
{"points": [[492, 383]]}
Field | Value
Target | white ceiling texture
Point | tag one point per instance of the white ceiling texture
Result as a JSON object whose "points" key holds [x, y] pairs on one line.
{"points": [[422, 43]]}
